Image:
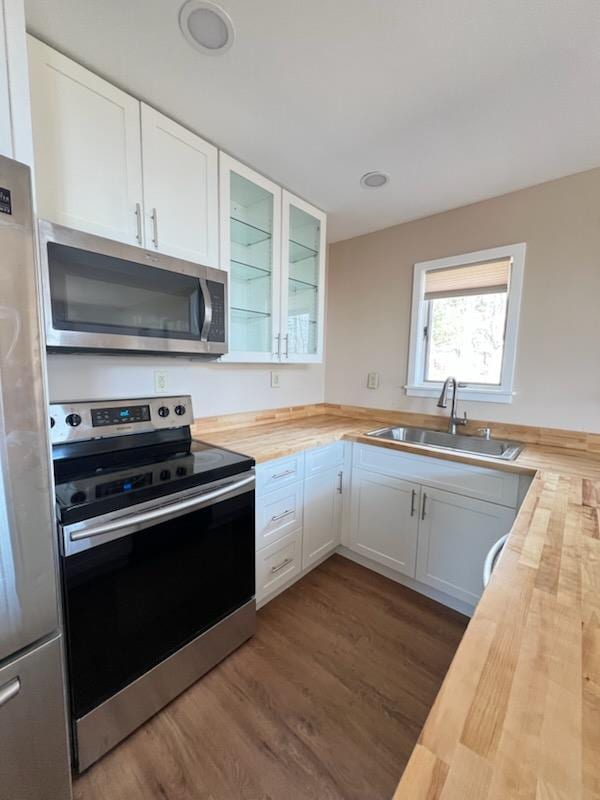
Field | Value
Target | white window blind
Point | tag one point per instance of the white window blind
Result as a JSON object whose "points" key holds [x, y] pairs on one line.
{"points": [[487, 277]]}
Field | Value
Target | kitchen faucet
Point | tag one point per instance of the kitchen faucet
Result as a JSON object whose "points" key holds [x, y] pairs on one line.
{"points": [[443, 403]]}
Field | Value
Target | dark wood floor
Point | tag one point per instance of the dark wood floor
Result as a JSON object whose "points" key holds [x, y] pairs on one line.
{"points": [[325, 702]]}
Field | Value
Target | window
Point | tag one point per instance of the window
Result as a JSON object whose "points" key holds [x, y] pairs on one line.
{"points": [[464, 323]]}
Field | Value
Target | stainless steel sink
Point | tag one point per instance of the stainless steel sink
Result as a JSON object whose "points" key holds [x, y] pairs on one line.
{"points": [[440, 440]]}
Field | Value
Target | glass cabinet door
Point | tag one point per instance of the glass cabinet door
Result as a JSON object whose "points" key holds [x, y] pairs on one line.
{"points": [[250, 251], [303, 299]]}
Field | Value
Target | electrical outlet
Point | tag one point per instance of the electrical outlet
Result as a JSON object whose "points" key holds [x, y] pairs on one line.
{"points": [[373, 380], [161, 381], [275, 380]]}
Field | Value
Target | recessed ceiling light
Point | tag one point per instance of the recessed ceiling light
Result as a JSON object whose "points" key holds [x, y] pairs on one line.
{"points": [[206, 26], [373, 180]]}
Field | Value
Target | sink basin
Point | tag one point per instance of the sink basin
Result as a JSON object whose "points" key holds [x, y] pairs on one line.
{"points": [[440, 440]]}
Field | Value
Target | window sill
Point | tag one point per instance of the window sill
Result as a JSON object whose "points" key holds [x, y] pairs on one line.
{"points": [[478, 395]]}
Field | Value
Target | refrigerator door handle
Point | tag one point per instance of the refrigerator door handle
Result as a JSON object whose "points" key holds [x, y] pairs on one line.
{"points": [[9, 691]]}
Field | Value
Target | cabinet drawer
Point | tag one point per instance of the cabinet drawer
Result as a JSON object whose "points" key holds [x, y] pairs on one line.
{"points": [[452, 476], [278, 513], [277, 564], [281, 472], [322, 458]]}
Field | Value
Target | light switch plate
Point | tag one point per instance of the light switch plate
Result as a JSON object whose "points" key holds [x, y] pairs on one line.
{"points": [[373, 380], [275, 380], [161, 381]]}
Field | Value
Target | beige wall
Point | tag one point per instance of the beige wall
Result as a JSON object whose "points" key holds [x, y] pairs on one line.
{"points": [[557, 379]]}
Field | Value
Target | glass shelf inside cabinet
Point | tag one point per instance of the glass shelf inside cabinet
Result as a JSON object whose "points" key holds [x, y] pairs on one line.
{"points": [[248, 313], [297, 285], [247, 272], [300, 252], [246, 234]]}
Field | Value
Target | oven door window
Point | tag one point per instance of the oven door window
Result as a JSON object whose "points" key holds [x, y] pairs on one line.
{"points": [[133, 602], [96, 293]]}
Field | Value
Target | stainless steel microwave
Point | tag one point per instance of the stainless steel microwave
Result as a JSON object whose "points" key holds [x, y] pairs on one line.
{"points": [[106, 296]]}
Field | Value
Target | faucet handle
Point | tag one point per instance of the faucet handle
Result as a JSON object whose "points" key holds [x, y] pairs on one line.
{"points": [[485, 432]]}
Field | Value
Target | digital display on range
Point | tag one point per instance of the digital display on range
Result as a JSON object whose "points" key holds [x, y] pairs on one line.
{"points": [[120, 415], [124, 485]]}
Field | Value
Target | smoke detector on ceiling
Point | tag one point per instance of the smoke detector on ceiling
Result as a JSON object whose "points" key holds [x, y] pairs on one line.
{"points": [[206, 26], [374, 180]]}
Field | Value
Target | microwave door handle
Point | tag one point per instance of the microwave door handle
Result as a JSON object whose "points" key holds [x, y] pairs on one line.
{"points": [[207, 321], [164, 512]]}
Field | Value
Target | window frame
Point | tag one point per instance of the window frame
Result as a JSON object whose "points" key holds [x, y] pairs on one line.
{"points": [[416, 385]]}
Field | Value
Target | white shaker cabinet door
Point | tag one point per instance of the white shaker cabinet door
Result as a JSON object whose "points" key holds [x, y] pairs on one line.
{"points": [[322, 514], [385, 520], [180, 190], [455, 534], [87, 148]]}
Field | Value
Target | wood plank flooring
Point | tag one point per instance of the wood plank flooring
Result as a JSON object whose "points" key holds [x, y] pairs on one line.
{"points": [[325, 703]]}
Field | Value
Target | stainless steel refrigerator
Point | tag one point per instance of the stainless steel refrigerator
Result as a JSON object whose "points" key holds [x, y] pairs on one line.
{"points": [[34, 762]]}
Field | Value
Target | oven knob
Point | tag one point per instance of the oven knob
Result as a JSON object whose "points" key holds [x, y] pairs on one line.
{"points": [[180, 410], [52, 422], [163, 411], [181, 471], [73, 420], [78, 497], [165, 474]]}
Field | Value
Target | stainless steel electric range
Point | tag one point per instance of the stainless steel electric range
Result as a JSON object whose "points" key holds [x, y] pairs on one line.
{"points": [[157, 546]]}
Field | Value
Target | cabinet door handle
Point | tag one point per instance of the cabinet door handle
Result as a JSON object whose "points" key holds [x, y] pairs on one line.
{"points": [[282, 515], [287, 345], [278, 340], [283, 474], [138, 222], [412, 502], [423, 506], [9, 690], [340, 486], [283, 564], [154, 218]]}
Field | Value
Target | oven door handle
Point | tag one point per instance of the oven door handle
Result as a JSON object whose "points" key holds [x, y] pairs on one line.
{"points": [[156, 514]]}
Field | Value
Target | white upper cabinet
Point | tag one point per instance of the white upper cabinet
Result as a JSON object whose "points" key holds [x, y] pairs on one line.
{"points": [[86, 136], [180, 190], [251, 252], [303, 280]]}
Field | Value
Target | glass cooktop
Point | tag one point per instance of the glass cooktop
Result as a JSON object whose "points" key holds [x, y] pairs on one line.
{"points": [[95, 484]]}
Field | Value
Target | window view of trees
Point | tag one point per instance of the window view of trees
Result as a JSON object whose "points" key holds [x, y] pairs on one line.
{"points": [[466, 338]]}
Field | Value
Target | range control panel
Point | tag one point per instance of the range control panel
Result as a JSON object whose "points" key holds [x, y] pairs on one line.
{"points": [[84, 420]]}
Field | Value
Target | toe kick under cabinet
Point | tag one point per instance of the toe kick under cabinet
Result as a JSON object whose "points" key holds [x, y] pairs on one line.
{"points": [[298, 514], [429, 519]]}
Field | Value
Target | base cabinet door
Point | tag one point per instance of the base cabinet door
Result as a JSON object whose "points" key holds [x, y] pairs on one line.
{"points": [[385, 520], [322, 514], [455, 534], [86, 136]]}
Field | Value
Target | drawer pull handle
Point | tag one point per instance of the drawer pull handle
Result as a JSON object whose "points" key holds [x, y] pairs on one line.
{"points": [[283, 564], [9, 691], [282, 515], [412, 502], [283, 474]]}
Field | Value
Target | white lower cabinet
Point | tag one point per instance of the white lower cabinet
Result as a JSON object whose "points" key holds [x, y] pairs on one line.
{"points": [[278, 564], [322, 514], [384, 526], [298, 514], [455, 534]]}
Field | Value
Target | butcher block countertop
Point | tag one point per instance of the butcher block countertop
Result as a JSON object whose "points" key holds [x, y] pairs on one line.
{"points": [[518, 714]]}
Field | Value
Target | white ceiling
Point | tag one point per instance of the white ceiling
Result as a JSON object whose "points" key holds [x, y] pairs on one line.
{"points": [[458, 100]]}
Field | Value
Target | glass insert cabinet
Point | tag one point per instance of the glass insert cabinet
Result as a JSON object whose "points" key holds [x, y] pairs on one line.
{"points": [[273, 246]]}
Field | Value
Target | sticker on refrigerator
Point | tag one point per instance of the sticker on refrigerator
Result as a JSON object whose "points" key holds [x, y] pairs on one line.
{"points": [[5, 201]]}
